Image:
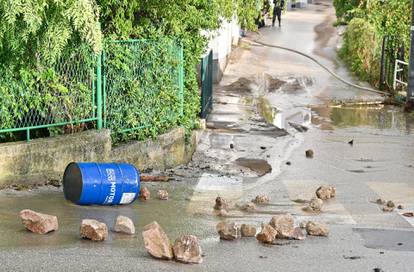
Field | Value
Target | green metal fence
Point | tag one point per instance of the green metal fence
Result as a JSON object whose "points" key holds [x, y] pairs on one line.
{"points": [[143, 87], [34, 103], [134, 88]]}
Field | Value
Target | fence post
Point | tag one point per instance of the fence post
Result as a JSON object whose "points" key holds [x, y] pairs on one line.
{"points": [[99, 90], [181, 78]]}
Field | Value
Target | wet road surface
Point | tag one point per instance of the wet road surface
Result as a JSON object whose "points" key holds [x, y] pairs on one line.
{"points": [[244, 153]]}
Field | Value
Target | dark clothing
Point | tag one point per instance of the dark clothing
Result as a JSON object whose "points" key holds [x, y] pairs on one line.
{"points": [[277, 11]]}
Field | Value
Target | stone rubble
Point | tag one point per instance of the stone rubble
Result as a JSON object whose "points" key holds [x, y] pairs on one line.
{"points": [[221, 204], [187, 249], [284, 225], [163, 194], [124, 224], [317, 229], [309, 153], [228, 230], [38, 222], [326, 192], [267, 235], [156, 242], [248, 230], [261, 199], [144, 194], [93, 230]]}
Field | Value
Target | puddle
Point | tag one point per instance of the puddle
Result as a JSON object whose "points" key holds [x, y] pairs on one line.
{"points": [[378, 117], [261, 167], [397, 240]]}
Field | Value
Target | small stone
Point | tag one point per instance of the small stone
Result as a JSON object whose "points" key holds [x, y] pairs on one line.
{"points": [[187, 249], [267, 235], [262, 199], [380, 201], [248, 230], [317, 229], [387, 209], [124, 224], [144, 194], [249, 207], [309, 153], [156, 242], [408, 214], [283, 224], [302, 224], [400, 207], [163, 194], [326, 192], [228, 230], [390, 204], [231, 146], [222, 213], [297, 234], [38, 222], [315, 204], [221, 204], [288, 163], [93, 230]]}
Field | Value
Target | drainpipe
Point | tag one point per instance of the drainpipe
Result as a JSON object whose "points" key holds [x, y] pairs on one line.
{"points": [[410, 90]]}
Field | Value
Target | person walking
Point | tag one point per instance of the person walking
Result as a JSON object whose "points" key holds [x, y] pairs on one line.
{"points": [[277, 11]]}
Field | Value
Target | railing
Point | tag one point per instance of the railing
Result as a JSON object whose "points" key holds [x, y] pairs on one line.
{"points": [[134, 87], [206, 85], [399, 73]]}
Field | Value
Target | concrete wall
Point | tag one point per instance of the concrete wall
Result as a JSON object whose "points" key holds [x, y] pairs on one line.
{"points": [[221, 43], [43, 160]]}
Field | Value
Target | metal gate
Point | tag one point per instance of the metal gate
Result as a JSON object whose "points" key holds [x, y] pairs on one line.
{"points": [[393, 54], [206, 85]]}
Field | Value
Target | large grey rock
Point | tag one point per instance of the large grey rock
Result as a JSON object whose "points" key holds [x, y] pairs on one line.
{"points": [[156, 241], [93, 230], [317, 229], [187, 249], [124, 224], [38, 222], [228, 230], [284, 225], [326, 192], [267, 235]]}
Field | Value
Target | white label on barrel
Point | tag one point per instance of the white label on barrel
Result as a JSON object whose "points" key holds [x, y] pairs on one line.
{"points": [[127, 198], [112, 179]]}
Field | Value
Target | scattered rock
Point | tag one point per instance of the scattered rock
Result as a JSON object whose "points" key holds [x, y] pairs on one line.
{"points": [[380, 201], [387, 209], [124, 224], [302, 224], [283, 224], [378, 270], [144, 194], [297, 234], [93, 230], [267, 235], [262, 147], [309, 153], [298, 127], [38, 222], [408, 214], [163, 194], [317, 229], [315, 204], [400, 207], [288, 163], [261, 199], [231, 146], [228, 230], [326, 192], [390, 204], [187, 249], [156, 241], [221, 212], [250, 206], [248, 230], [221, 204], [351, 142]]}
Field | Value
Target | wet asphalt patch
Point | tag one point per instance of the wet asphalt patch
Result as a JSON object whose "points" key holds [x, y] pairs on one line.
{"points": [[397, 240]]}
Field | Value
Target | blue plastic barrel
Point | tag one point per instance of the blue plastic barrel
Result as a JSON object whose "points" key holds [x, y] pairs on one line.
{"points": [[101, 183]]}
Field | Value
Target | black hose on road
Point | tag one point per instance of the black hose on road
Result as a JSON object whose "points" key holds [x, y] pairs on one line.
{"points": [[323, 66]]}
